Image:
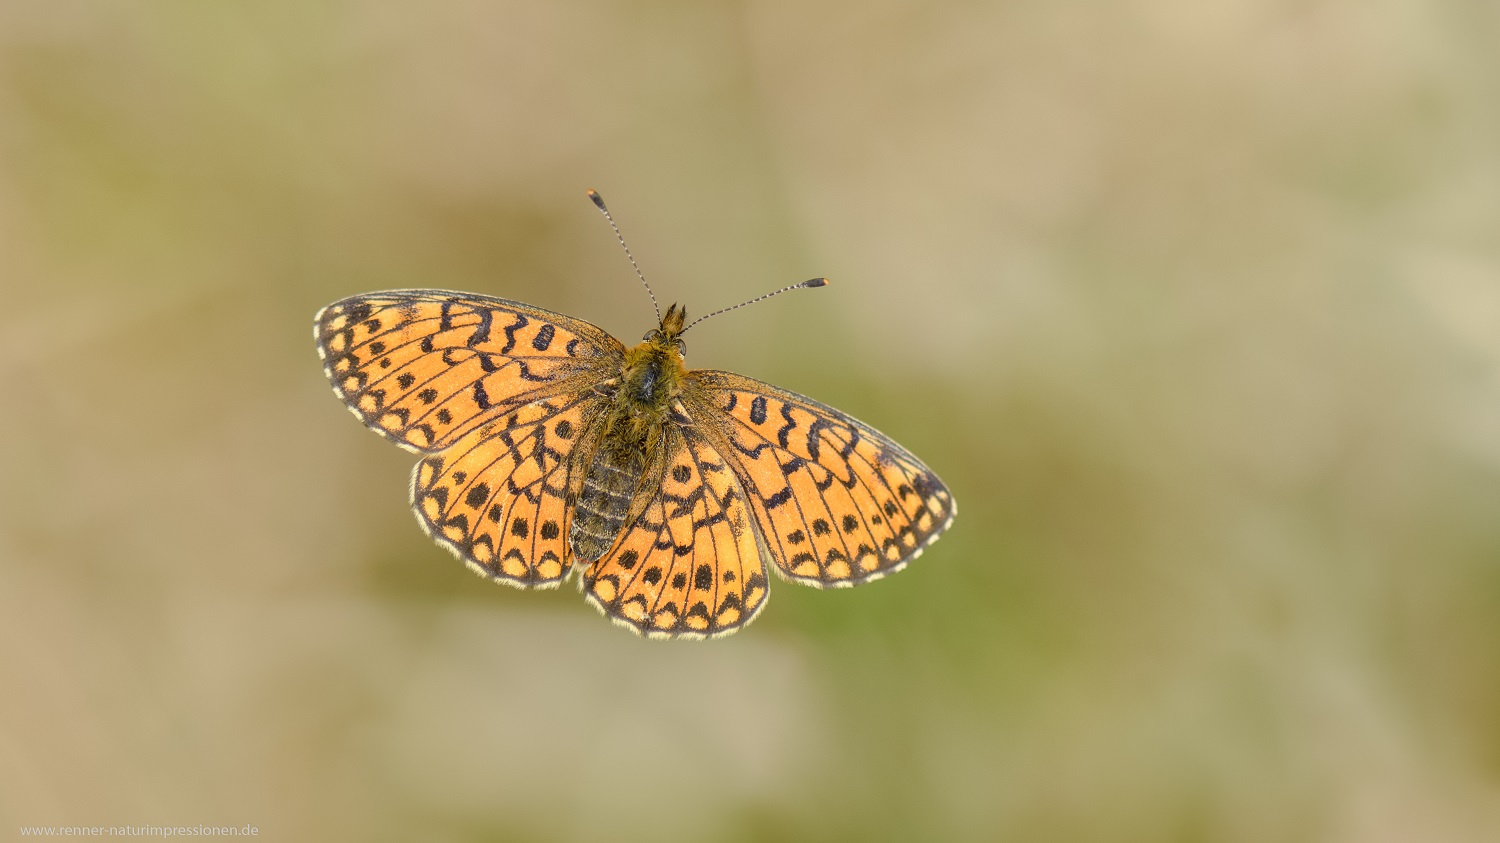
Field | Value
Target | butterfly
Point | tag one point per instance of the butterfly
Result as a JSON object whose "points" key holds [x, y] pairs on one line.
{"points": [[547, 447]]}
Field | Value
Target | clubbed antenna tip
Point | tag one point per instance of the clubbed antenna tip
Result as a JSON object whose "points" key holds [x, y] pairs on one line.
{"points": [[811, 282], [599, 201]]}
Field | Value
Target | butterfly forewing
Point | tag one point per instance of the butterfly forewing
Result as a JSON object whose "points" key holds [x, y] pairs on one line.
{"points": [[425, 367], [838, 502]]}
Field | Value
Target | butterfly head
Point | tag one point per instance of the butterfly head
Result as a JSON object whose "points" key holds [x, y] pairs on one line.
{"points": [[668, 335]]}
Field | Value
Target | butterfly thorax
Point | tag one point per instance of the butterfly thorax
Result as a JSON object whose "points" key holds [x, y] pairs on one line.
{"points": [[632, 433], [651, 379]]}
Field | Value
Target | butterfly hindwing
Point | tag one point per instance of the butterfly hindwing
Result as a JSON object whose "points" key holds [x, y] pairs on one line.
{"points": [[838, 502], [498, 497], [692, 564], [425, 367]]}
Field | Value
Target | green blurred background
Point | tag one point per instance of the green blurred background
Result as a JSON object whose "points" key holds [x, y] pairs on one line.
{"points": [[1195, 306]]}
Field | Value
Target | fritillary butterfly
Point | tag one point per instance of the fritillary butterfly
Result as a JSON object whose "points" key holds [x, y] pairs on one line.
{"points": [[548, 446]]}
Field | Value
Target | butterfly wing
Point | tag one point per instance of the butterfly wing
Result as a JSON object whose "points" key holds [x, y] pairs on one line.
{"points": [[691, 565], [838, 502], [427, 367], [498, 497]]}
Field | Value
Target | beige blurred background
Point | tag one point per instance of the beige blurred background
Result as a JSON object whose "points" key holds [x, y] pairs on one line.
{"points": [[1196, 306]]}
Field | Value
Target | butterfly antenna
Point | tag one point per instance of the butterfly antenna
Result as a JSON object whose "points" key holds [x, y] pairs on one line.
{"points": [[599, 200], [811, 282]]}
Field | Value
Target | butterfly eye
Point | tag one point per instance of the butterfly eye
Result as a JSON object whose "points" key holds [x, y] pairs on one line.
{"points": [[651, 335], [681, 346]]}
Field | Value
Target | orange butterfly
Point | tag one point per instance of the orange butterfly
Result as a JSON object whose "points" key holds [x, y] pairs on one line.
{"points": [[548, 445]]}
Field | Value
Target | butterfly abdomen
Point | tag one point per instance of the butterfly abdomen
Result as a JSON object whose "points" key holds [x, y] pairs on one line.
{"points": [[609, 484]]}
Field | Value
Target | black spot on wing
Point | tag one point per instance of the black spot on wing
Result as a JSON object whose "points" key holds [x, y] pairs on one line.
{"points": [[786, 429], [813, 432], [510, 333], [543, 339], [482, 330], [758, 409]]}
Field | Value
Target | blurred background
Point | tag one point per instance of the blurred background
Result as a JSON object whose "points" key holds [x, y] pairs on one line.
{"points": [[1196, 307]]}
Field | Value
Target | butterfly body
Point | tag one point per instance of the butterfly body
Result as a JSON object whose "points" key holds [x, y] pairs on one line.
{"points": [[548, 447], [632, 434]]}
